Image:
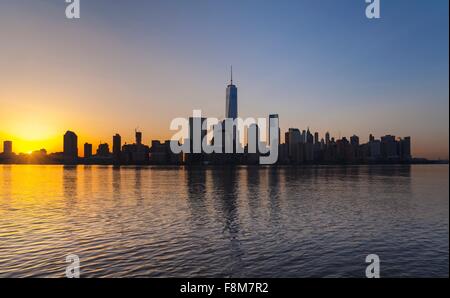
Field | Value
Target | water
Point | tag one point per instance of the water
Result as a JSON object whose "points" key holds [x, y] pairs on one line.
{"points": [[224, 222]]}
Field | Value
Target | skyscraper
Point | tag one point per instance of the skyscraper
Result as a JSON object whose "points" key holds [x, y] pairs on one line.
{"points": [[327, 138], [389, 147], [103, 150], [137, 153], [274, 116], [316, 138], [7, 147], [70, 146], [138, 137], [196, 133], [354, 140], [309, 138], [253, 138], [295, 147], [405, 148], [286, 137], [231, 110], [87, 150], [117, 145]]}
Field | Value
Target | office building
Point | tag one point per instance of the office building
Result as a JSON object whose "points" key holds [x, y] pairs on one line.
{"points": [[87, 150], [316, 138], [136, 153], [70, 146], [7, 148], [295, 148], [117, 147], [196, 135], [389, 148], [231, 108], [405, 149], [274, 116], [103, 150], [354, 140]]}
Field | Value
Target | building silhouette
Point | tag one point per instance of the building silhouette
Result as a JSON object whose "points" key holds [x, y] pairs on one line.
{"points": [[160, 154], [299, 146], [136, 153], [405, 149], [274, 116], [327, 138], [103, 150], [354, 140], [117, 148], [87, 150], [70, 147], [389, 148], [195, 138], [7, 148], [231, 108], [252, 148]]}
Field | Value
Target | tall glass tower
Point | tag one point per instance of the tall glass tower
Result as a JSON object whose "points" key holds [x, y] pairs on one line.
{"points": [[231, 110]]}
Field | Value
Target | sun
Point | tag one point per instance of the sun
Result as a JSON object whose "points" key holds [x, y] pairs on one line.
{"points": [[31, 136]]}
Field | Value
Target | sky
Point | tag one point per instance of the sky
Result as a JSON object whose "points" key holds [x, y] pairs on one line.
{"points": [[141, 63]]}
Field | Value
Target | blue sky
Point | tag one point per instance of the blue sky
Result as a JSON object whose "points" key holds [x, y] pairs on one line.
{"points": [[317, 63]]}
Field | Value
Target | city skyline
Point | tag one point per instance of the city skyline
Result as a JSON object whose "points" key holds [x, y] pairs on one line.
{"points": [[248, 145], [298, 146], [71, 148], [324, 66]]}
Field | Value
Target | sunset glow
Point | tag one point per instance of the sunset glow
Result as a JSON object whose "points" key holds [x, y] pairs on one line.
{"points": [[105, 74]]}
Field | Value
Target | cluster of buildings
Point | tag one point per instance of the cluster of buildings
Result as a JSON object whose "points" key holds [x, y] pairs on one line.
{"points": [[299, 147], [136, 154], [303, 147], [306, 148]]}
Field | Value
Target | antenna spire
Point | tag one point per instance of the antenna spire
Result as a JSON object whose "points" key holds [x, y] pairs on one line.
{"points": [[231, 74]]}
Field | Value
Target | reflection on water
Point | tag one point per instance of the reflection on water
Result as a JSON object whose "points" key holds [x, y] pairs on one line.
{"points": [[223, 222]]}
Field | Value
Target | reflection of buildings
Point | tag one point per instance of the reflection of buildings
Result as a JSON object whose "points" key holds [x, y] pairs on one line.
{"points": [[226, 180]]}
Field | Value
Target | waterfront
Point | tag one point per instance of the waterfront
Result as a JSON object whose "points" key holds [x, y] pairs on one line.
{"points": [[224, 222]]}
